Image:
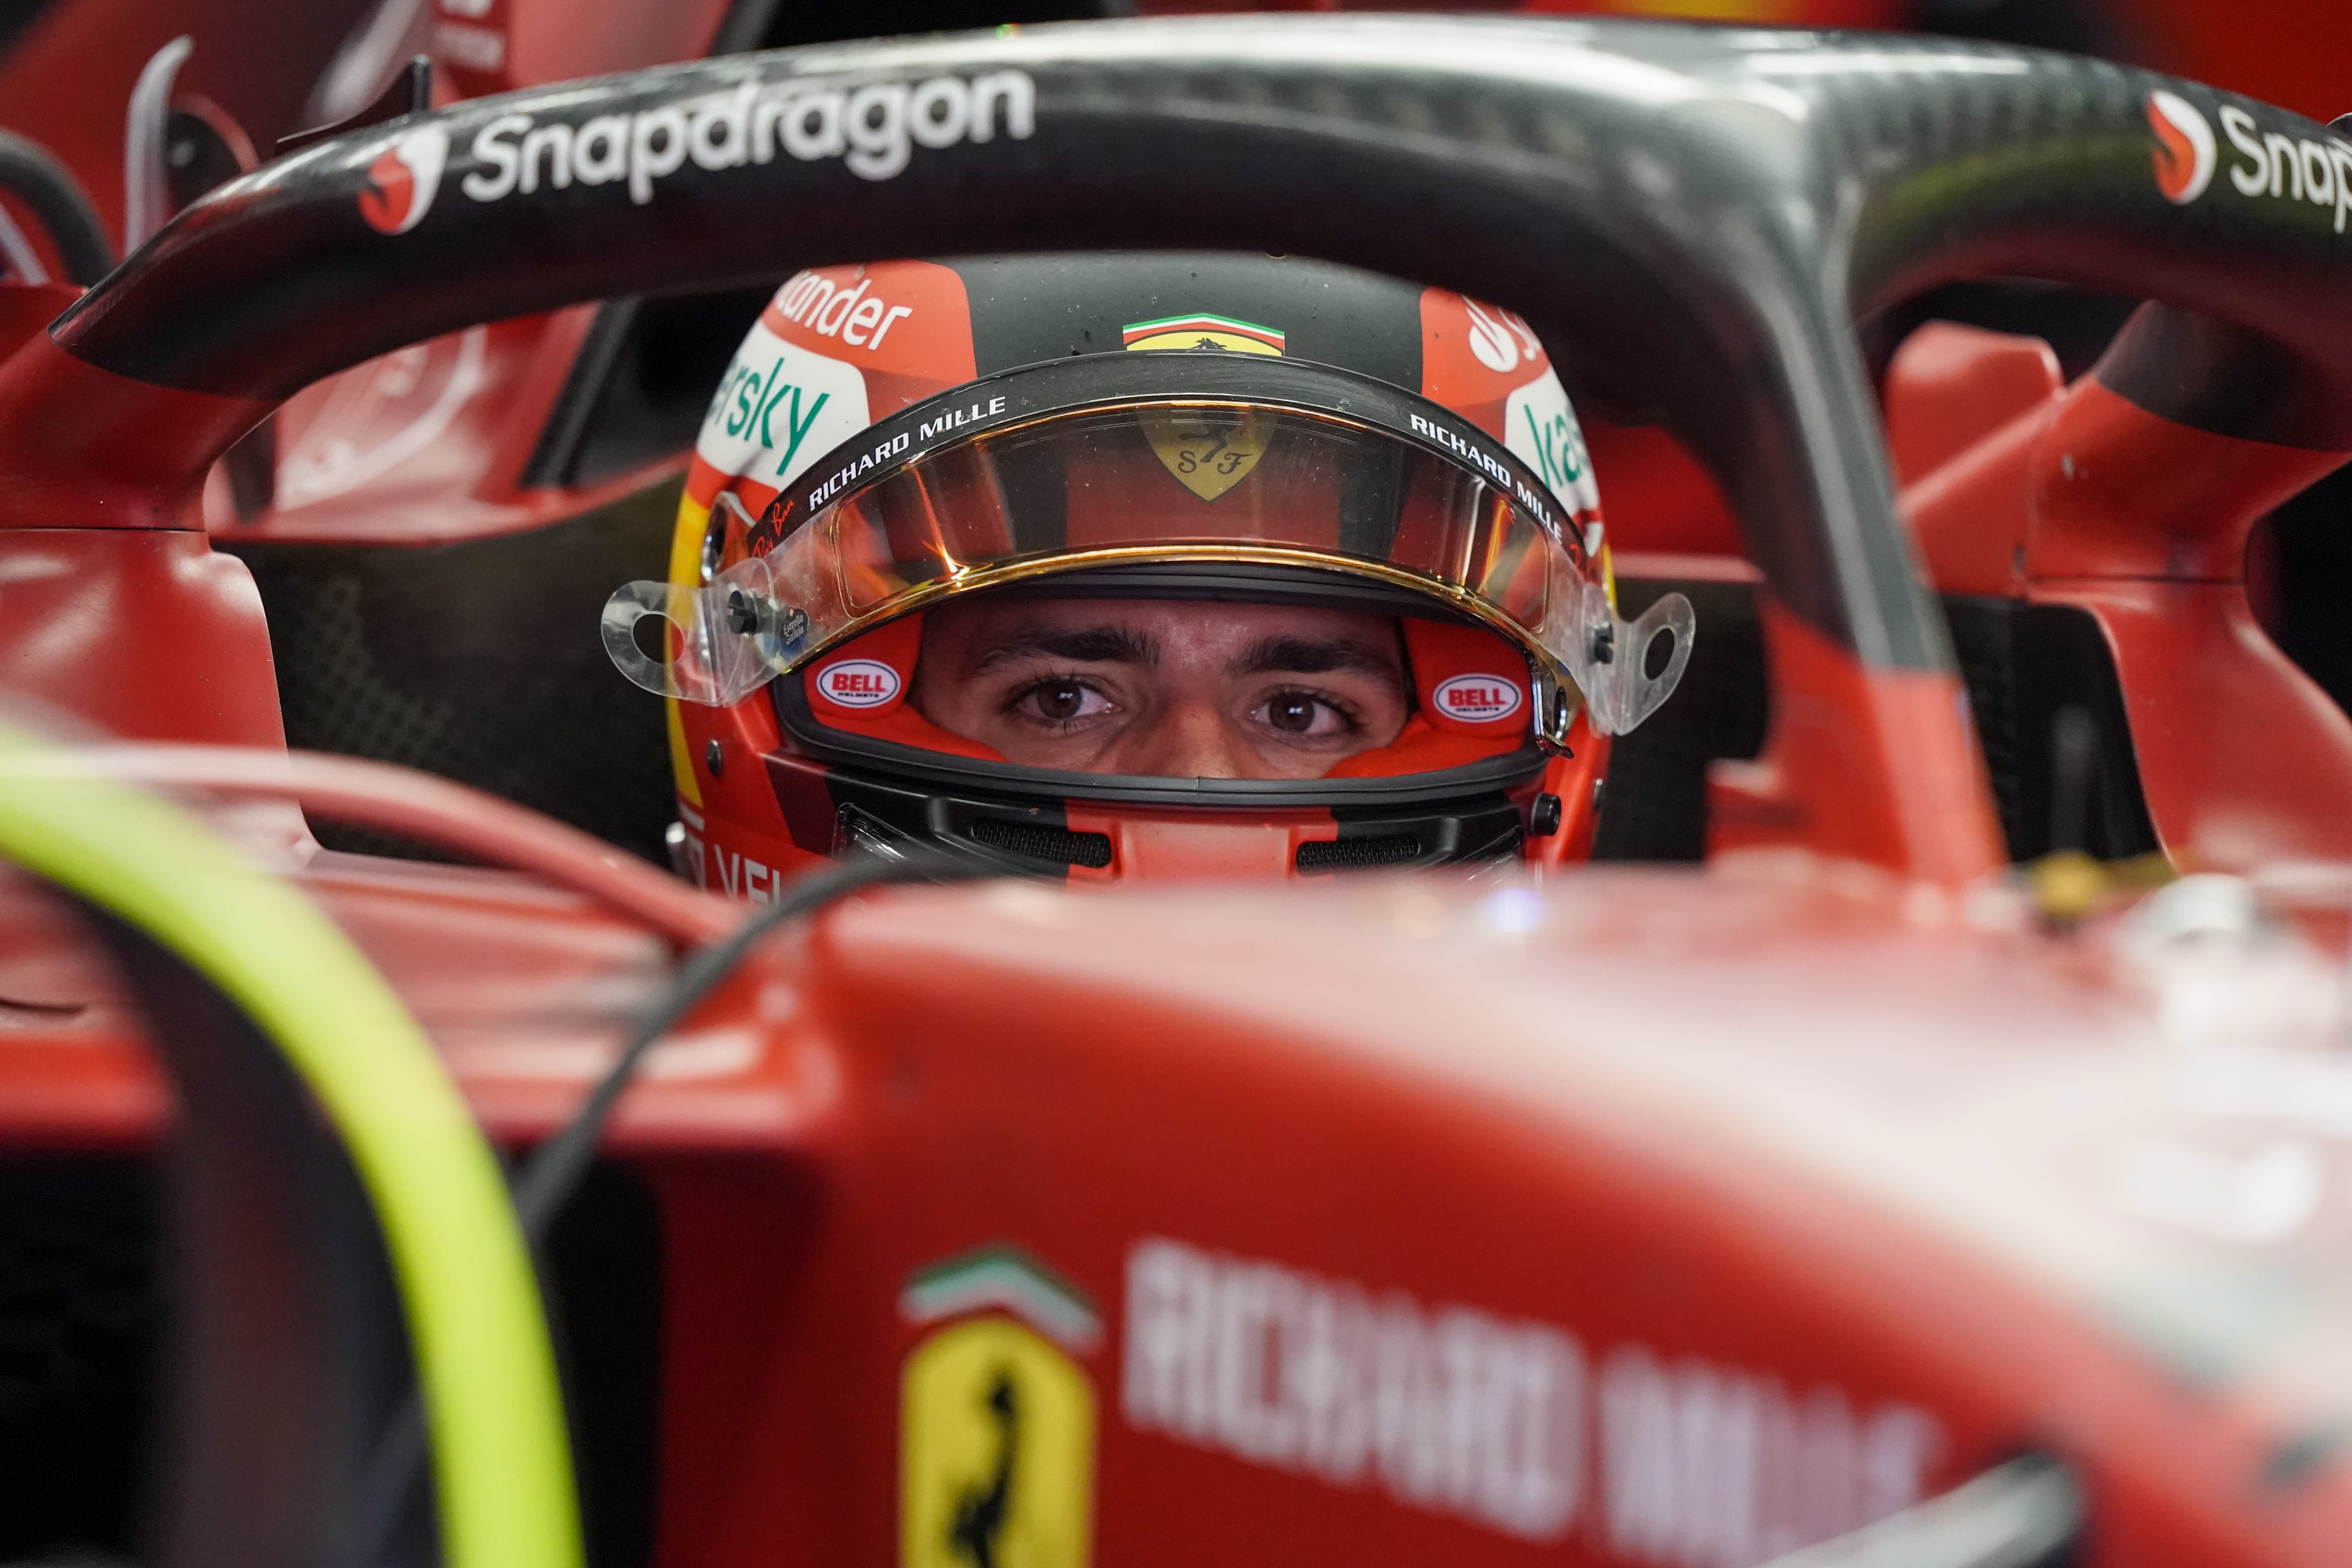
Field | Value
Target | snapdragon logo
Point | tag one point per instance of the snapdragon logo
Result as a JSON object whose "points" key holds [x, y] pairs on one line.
{"points": [[874, 129], [2290, 167], [2184, 147], [402, 179]]}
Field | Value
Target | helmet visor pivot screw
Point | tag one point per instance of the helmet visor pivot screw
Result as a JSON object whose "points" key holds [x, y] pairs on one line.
{"points": [[1543, 820]]}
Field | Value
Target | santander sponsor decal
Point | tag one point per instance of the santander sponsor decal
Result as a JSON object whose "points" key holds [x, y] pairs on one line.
{"points": [[833, 309], [403, 180], [857, 683], [1500, 339], [2184, 147], [1477, 698]]}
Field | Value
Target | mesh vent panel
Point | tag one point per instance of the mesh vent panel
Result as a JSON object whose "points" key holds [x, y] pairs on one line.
{"points": [[1039, 842], [2024, 664], [1358, 854], [479, 661], [1654, 806]]}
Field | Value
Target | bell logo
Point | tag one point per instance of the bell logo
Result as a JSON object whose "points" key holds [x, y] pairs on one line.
{"points": [[403, 180], [1476, 698], [857, 683], [2184, 147]]}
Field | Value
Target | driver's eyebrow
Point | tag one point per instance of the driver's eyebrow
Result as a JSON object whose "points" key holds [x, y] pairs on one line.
{"points": [[1080, 645], [1318, 655]]}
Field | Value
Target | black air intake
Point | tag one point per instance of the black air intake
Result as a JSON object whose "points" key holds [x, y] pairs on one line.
{"points": [[1037, 841], [1358, 854]]}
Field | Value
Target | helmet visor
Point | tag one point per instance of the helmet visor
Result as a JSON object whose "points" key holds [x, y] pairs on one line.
{"points": [[1194, 480]]}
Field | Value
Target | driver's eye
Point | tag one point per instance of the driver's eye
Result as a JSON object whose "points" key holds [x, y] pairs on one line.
{"points": [[1304, 715], [1060, 701], [1292, 711]]}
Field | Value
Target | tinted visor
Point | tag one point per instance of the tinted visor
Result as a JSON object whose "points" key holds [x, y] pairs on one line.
{"points": [[1436, 508]]}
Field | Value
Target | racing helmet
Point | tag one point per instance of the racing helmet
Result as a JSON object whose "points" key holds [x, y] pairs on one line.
{"points": [[896, 443]]}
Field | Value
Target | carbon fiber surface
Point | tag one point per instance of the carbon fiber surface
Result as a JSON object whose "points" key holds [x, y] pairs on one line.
{"points": [[82, 1324], [1690, 214], [1654, 805], [479, 661], [2023, 664], [81, 1320]]}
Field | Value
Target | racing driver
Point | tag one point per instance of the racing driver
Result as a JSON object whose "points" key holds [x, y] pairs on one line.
{"points": [[1123, 565]]}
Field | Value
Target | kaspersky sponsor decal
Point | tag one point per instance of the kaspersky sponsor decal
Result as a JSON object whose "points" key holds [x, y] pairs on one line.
{"points": [[1202, 332], [403, 180], [873, 127], [1506, 1423], [2264, 164], [996, 1424], [1540, 430]]}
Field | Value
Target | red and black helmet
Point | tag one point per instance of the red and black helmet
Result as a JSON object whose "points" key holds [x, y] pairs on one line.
{"points": [[1212, 430]]}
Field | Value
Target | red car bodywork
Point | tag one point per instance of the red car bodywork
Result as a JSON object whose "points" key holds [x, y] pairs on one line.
{"points": [[1773, 1194]]}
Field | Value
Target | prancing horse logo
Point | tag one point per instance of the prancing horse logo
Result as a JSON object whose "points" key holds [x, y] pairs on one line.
{"points": [[996, 1457], [996, 1419], [980, 1511]]}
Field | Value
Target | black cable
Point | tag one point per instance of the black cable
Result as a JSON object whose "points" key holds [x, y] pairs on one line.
{"points": [[555, 1169], [29, 172]]}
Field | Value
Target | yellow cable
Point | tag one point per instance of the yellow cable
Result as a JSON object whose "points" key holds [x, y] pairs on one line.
{"points": [[501, 1459]]}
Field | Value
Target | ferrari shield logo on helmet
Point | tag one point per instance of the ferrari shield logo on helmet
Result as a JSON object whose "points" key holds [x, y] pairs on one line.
{"points": [[1209, 454], [1202, 332], [1209, 451], [996, 1421]]}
